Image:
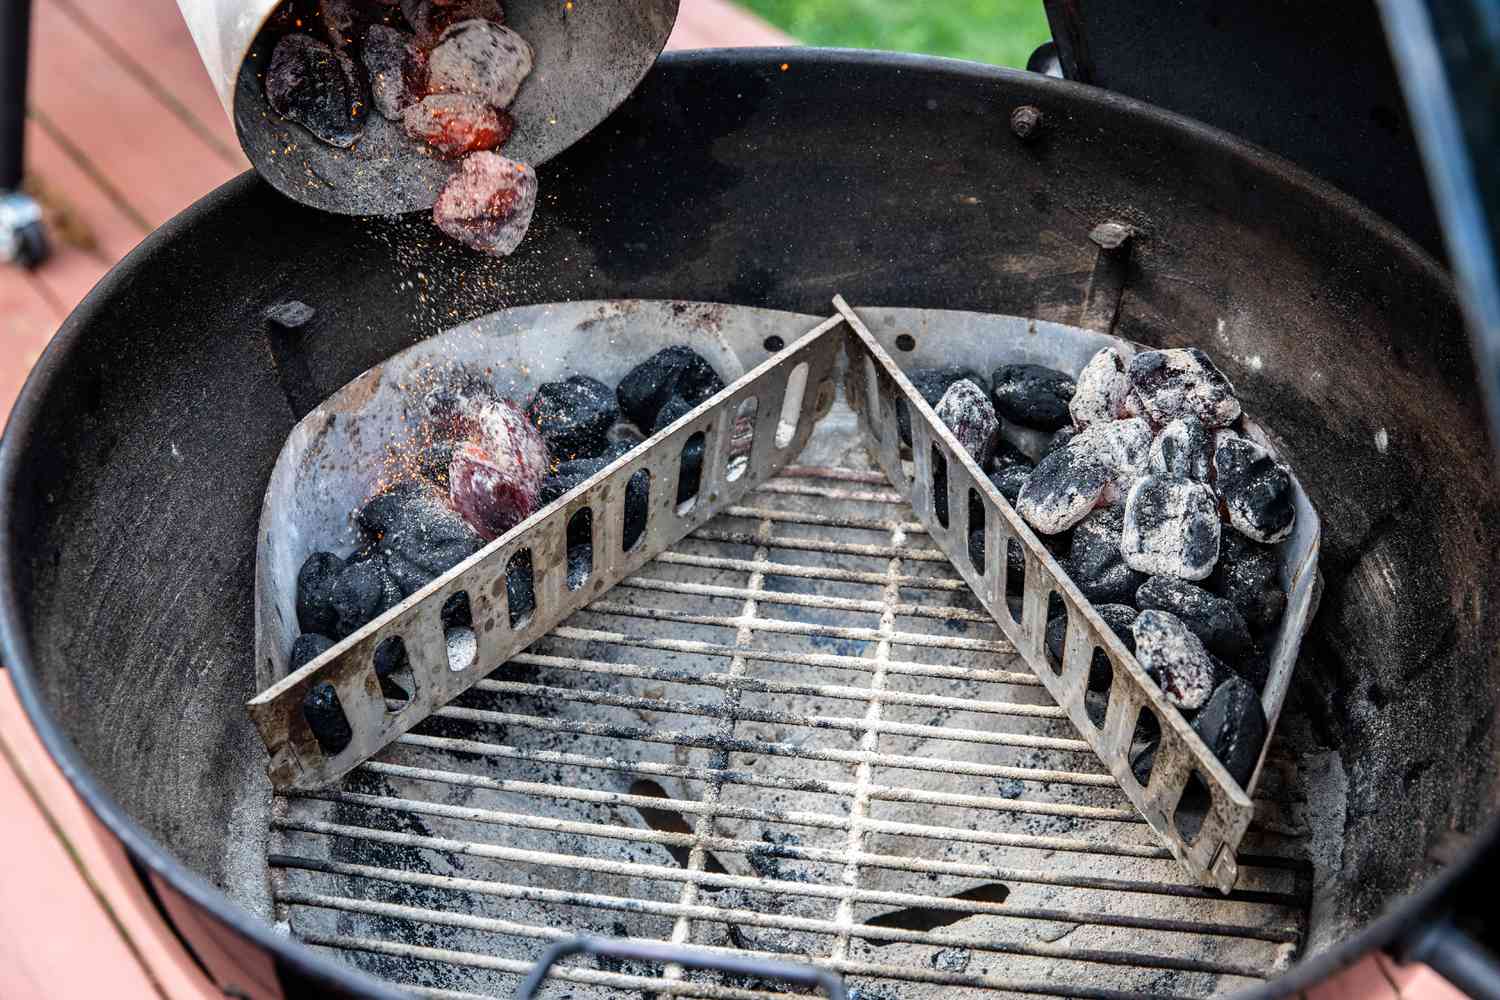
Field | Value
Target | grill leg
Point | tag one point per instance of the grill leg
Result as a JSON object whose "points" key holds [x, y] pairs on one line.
{"points": [[22, 239]]}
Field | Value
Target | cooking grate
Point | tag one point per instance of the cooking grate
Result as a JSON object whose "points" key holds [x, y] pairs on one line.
{"points": [[793, 735]]}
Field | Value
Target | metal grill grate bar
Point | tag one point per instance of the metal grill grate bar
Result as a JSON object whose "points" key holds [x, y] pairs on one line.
{"points": [[500, 852], [755, 918]]}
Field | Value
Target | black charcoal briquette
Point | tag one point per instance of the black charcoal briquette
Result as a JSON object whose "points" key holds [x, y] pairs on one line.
{"points": [[1119, 618], [1256, 489], [315, 582], [1233, 724], [420, 535], [1210, 617], [690, 466], [363, 592], [1094, 562], [325, 717], [1248, 577], [1032, 395], [1010, 480], [574, 416], [306, 648], [1182, 448], [316, 86], [457, 612], [673, 371]]}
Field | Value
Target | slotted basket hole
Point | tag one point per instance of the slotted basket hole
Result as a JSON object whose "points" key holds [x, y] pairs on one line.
{"points": [[690, 472], [939, 485], [393, 670], [580, 547], [1193, 808], [520, 588]]}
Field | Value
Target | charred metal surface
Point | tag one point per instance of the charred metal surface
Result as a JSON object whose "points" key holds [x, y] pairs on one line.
{"points": [[128, 567]]}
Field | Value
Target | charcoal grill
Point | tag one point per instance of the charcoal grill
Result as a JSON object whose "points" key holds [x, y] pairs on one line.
{"points": [[728, 179]]}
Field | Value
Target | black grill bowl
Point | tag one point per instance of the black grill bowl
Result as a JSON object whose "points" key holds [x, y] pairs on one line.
{"points": [[134, 463]]}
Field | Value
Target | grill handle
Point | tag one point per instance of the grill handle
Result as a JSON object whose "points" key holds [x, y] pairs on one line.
{"points": [[1454, 955], [692, 958]]}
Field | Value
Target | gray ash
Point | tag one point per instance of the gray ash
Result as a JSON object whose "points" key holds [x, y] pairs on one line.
{"points": [[1063, 488]]}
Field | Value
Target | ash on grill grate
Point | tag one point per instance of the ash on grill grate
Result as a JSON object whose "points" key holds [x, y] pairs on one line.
{"points": [[794, 734]]}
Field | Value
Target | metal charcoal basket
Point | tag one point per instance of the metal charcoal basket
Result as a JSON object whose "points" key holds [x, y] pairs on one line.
{"points": [[324, 472]]}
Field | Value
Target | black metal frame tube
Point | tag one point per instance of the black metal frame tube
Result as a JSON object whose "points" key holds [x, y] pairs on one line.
{"points": [[15, 38]]}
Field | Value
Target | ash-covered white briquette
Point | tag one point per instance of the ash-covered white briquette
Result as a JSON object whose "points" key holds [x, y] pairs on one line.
{"points": [[1182, 448], [1183, 382], [967, 411], [482, 59], [1171, 527], [1101, 389], [1175, 659], [1124, 446], [1255, 488], [1063, 488]]}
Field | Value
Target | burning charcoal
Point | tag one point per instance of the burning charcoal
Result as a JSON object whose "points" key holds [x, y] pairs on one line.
{"points": [[1182, 449], [487, 204], [481, 59], [969, 414], [325, 717], [1094, 563], [574, 416], [1171, 527], [1122, 445], [495, 477], [1061, 439], [315, 582], [1033, 396], [434, 461], [932, 383], [457, 613], [1256, 490], [1063, 488], [397, 70], [430, 18], [1183, 382], [306, 648], [1119, 618], [363, 592], [1210, 617], [673, 371], [1010, 480], [420, 536], [341, 20], [691, 474], [1101, 389], [1175, 659], [290, 316], [456, 124], [315, 86], [455, 401], [1248, 577], [1233, 725]]}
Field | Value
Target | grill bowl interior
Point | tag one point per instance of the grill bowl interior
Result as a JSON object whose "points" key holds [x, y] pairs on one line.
{"points": [[135, 463]]}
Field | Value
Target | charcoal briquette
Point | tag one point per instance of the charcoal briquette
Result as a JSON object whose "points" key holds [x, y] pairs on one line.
{"points": [[487, 204], [495, 478], [306, 648], [1100, 391], [1010, 480], [1171, 527], [1182, 382], [481, 59], [1032, 395], [932, 383], [325, 717], [1122, 445], [1063, 488], [1256, 490], [1248, 577], [396, 68], [574, 416], [1233, 725], [1119, 618], [457, 612], [419, 535], [315, 580], [456, 125], [1210, 617], [316, 86], [967, 411], [690, 463], [363, 592], [1175, 659], [1094, 562], [673, 371], [1182, 448], [1061, 439]]}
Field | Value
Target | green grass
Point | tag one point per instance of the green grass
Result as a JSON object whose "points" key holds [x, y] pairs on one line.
{"points": [[993, 31]]}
